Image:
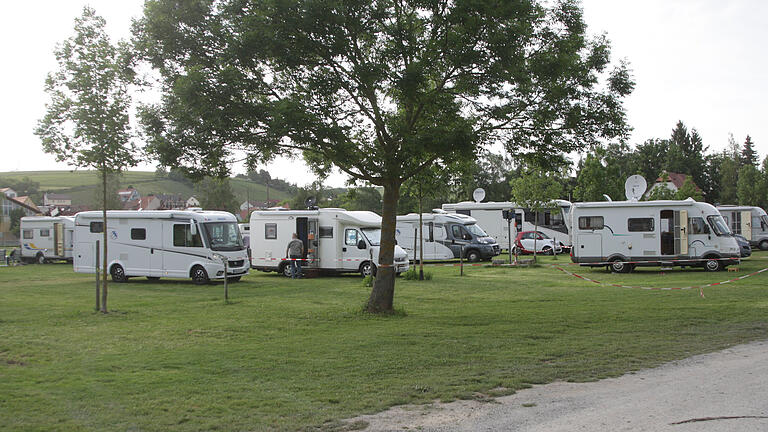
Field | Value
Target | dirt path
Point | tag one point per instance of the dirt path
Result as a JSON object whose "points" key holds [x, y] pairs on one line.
{"points": [[722, 391]]}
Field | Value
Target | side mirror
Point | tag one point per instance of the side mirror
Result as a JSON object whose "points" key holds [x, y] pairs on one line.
{"points": [[192, 227], [361, 244]]}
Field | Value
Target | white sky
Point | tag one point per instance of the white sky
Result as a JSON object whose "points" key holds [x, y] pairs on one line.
{"points": [[693, 60]]}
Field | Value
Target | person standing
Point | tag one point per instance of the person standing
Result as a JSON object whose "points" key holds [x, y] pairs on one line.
{"points": [[295, 252]]}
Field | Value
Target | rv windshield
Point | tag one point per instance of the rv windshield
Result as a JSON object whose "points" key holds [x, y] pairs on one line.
{"points": [[373, 235], [719, 227], [476, 230], [223, 236]]}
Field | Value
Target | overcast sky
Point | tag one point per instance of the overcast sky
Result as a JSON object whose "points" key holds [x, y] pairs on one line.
{"points": [[697, 61]]}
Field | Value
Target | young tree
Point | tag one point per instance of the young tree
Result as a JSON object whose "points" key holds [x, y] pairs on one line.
{"points": [[86, 124], [748, 186], [216, 194], [537, 191], [113, 201], [378, 89], [729, 179], [689, 190], [748, 154], [15, 218]]}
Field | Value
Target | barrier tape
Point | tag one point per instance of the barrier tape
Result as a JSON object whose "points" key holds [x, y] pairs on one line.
{"points": [[700, 287]]}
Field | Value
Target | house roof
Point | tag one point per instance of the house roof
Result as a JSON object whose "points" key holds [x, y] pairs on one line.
{"points": [[23, 201], [677, 179], [58, 196]]}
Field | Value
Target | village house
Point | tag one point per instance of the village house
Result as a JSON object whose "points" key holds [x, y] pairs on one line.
{"points": [[673, 182], [10, 201], [193, 202], [149, 202]]}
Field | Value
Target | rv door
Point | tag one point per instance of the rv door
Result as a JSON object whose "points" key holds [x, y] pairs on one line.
{"points": [[682, 228], [746, 224], [58, 239]]}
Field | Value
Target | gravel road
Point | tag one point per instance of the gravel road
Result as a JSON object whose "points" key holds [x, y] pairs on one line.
{"points": [[722, 391]]}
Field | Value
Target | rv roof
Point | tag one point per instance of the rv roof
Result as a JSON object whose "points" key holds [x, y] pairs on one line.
{"points": [[200, 216], [447, 217], [656, 203], [358, 217], [493, 205], [47, 218], [738, 207]]}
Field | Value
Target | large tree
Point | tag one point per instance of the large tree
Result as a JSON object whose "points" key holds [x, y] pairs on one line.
{"points": [[748, 154], [87, 122], [379, 89], [686, 153]]}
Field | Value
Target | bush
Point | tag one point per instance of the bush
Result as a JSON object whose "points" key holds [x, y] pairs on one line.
{"points": [[413, 274]]}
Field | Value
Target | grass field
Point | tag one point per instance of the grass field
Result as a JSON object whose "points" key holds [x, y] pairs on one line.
{"points": [[81, 185], [299, 355]]}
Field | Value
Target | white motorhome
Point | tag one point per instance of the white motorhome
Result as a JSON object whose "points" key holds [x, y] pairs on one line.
{"points": [[162, 243], [552, 222], [47, 238], [750, 222], [335, 240], [445, 237], [623, 234]]}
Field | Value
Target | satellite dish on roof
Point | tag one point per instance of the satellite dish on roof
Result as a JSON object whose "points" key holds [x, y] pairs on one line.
{"points": [[635, 187], [310, 202], [478, 194]]}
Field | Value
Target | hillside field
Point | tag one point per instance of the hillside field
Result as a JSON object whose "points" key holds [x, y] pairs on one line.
{"points": [[82, 185]]}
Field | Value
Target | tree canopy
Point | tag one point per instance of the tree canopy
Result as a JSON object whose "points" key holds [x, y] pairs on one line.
{"points": [[379, 89]]}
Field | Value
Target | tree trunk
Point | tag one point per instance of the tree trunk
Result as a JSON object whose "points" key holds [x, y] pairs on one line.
{"points": [[383, 292], [535, 233], [421, 235], [104, 261]]}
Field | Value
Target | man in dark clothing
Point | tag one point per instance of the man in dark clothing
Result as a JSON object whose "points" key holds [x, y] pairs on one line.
{"points": [[295, 252]]}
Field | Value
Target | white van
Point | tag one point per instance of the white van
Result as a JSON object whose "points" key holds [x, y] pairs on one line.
{"points": [[445, 236], [624, 234], [162, 243], [335, 240], [553, 223], [750, 222], [47, 238]]}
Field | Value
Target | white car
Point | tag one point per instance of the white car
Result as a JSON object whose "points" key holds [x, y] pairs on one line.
{"points": [[526, 241]]}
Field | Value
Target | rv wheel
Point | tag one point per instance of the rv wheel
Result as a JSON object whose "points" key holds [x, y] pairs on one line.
{"points": [[367, 269], [199, 275], [118, 274], [763, 245], [619, 266], [473, 256], [40, 258], [712, 264], [285, 270]]}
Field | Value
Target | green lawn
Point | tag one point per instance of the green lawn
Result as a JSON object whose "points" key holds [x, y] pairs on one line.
{"points": [[288, 355]]}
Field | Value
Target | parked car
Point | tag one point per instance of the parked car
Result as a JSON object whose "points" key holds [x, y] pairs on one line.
{"points": [[744, 247], [527, 240]]}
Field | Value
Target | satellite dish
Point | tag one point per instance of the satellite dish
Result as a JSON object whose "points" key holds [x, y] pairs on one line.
{"points": [[310, 202], [478, 194], [635, 187]]}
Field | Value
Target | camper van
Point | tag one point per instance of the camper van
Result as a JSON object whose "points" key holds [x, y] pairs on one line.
{"points": [[46, 238], [750, 222], [552, 222], [335, 240], [623, 234], [162, 243], [445, 237]]}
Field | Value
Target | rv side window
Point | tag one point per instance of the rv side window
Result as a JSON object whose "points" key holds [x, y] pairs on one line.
{"points": [[456, 230], [138, 234], [182, 236], [97, 227], [640, 224], [464, 212], [326, 232], [529, 216], [27, 234], [270, 231], [44, 232], [697, 226], [350, 237], [590, 222]]}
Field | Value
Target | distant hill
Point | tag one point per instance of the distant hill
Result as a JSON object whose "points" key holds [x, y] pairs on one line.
{"points": [[81, 185]]}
